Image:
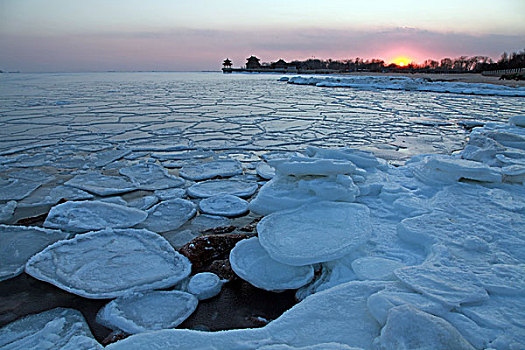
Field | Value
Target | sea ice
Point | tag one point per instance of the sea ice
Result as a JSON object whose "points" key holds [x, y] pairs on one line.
{"points": [[101, 159], [170, 193], [151, 176], [517, 120], [375, 268], [324, 346], [265, 170], [64, 329], [45, 196], [300, 166], [101, 185], [15, 189], [169, 215], [19, 243], [149, 311], [224, 205], [315, 232], [143, 203], [211, 188], [110, 263], [410, 328], [7, 210], [205, 285], [85, 216], [253, 264], [208, 170]]}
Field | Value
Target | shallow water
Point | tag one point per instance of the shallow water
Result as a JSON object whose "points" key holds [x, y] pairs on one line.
{"points": [[233, 112]]}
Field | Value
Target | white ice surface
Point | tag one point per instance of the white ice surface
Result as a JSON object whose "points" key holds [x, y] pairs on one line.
{"points": [[16, 189], [142, 312], [56, 329], [205, 285], [208, 170], [7, 210], [102, 185], [151, 176], [110, 263], [211, 188], [19, 243], [252, 263], [375, 268], [45, 196], [86, 216], [170, 193], [223, 205], [265, 170], [300, 166], [315, 232], [169, 215]]}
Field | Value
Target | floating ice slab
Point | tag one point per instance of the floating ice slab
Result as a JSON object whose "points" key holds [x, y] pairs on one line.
{"points": [[85, 216], [517, 120], [170, 193], [337, 315], [45, 196], [211, 188], [451, 286], [142, 312], [110, 263], [101, 159], [265, 170], [101, 185], [205, 285], [300, 166], [19, 243], [224, 205], [151, 176], [208, 170], [360, 158], [15, 189], [7, 210], [54, 329], [409, 328], [253, 264], [184, 155], [169, 215], [376, 268], [315, 232], [324, 346], [144, 203]]}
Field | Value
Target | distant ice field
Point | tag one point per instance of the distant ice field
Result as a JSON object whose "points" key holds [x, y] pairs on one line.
{"points": [[255, 112]]}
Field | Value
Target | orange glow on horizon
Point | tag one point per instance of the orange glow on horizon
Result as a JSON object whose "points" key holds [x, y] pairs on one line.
{"points": [[402, 61]]}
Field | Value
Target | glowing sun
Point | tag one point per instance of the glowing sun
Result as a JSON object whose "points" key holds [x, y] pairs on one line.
{"points": [[401, 61]]}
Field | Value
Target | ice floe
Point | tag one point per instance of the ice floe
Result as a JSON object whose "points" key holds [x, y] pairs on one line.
{"points": [[19, 243], [54, 329], [170, 193], [83, 216], [16, 189], [224, 205], [208, 170], [316, 232], [102, 185], [205, 285], [110, 263], [265, 170], [7, 210], [211, 188], [151, 176], [253, 264], [376, 268], [45, 196], [169, 215], [149, 311]]}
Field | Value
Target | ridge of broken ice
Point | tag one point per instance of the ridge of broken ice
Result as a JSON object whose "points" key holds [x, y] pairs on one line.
{"points": [[110, 263]]}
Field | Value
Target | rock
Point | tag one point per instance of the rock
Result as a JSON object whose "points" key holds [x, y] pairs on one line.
{"points": [[205, 285]]}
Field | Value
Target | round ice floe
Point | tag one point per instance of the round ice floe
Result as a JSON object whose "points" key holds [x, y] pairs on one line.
{"points": [[169, 215], [149, 311], [211, 188], [265, 171], [224, 205], [19, 243], [110, 263], [375, 268], [315, 232], [208, 170], [101, 185], [253, 264], [151, 176], [86, 216], [205, 285], [170, 193]]}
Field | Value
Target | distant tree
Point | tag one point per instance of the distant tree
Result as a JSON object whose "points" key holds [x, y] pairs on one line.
{"points": [[446, 64]]}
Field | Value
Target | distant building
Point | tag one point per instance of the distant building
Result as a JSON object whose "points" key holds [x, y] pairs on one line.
{"points": [[227, 63], [281, 64], [252, 62]]}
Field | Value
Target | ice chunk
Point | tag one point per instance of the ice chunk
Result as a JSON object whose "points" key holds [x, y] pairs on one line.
{"points": [[450, 285], [324, 346], [170, 193], [265, 171], [7, 210], [144, 203], [362, 159], [184, 155], [211, 188], [479, 337], [151, 176], [54, 329], [101, 185], [19, 243], [205, 222], [224, 205], [110, 263], [101, 159], [169, 215], [300, 166], [15, 189], [517, 120], [504, 279], [142, 312], [409, 328], [205, 285], [376, 268], [253, 264], [208, 170], [315, 232], [45, 196], [85, 216]]}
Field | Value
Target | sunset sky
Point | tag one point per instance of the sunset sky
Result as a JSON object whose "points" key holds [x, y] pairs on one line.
{"points": [[101, 35]]}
